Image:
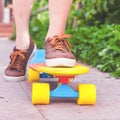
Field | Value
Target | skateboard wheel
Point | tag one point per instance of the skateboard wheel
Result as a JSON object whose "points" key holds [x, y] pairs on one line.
{"points": [[40, 93], [87, 94], [33, 75]]}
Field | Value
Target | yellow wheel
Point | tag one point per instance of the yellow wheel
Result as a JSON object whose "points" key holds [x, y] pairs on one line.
{"points": [[33, 75], [40, 93], [87, 94]]}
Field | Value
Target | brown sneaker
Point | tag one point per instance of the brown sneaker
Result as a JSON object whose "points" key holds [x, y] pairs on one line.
{"points": [[58, 52], [16, 69]]}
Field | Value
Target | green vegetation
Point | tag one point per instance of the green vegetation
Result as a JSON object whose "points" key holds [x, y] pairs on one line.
{"points": [[95, 27], [99, 47], [39, 23]]}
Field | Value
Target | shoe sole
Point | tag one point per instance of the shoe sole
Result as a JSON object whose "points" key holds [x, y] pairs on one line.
{"points": [[20, 78], [60, 62]]}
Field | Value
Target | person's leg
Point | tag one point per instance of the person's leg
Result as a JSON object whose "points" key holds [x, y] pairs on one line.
{"points": [[22, 11], [58, 14], [56, 46], [24, 47]]}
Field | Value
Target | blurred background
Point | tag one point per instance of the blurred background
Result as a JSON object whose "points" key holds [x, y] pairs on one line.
{"points": [[6, 18]]}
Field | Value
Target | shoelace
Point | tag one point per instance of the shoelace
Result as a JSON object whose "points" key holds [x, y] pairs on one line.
{"points": [[60, 42], [17, 58]]}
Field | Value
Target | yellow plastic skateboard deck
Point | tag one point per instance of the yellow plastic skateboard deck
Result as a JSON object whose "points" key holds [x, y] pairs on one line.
{"points": [[60, 71]]}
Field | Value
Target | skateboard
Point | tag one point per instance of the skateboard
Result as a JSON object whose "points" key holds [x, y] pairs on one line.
{"points": [[41, 92]]}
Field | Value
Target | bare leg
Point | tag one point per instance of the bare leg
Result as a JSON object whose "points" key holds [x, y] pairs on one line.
{"points": [[22, 10], [58, 11]]}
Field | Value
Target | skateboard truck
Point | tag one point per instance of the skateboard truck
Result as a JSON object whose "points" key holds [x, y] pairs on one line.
{"points": [[64, 90]]}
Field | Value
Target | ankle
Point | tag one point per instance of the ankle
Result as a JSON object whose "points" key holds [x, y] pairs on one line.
{"points": [[50, 35], [23, 44]]}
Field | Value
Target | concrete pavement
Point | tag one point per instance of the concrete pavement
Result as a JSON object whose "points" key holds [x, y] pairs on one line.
{"points": [[15, 97]]}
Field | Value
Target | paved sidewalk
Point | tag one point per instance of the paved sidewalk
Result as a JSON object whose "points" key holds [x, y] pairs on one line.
{"points": [[15, 97]]}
